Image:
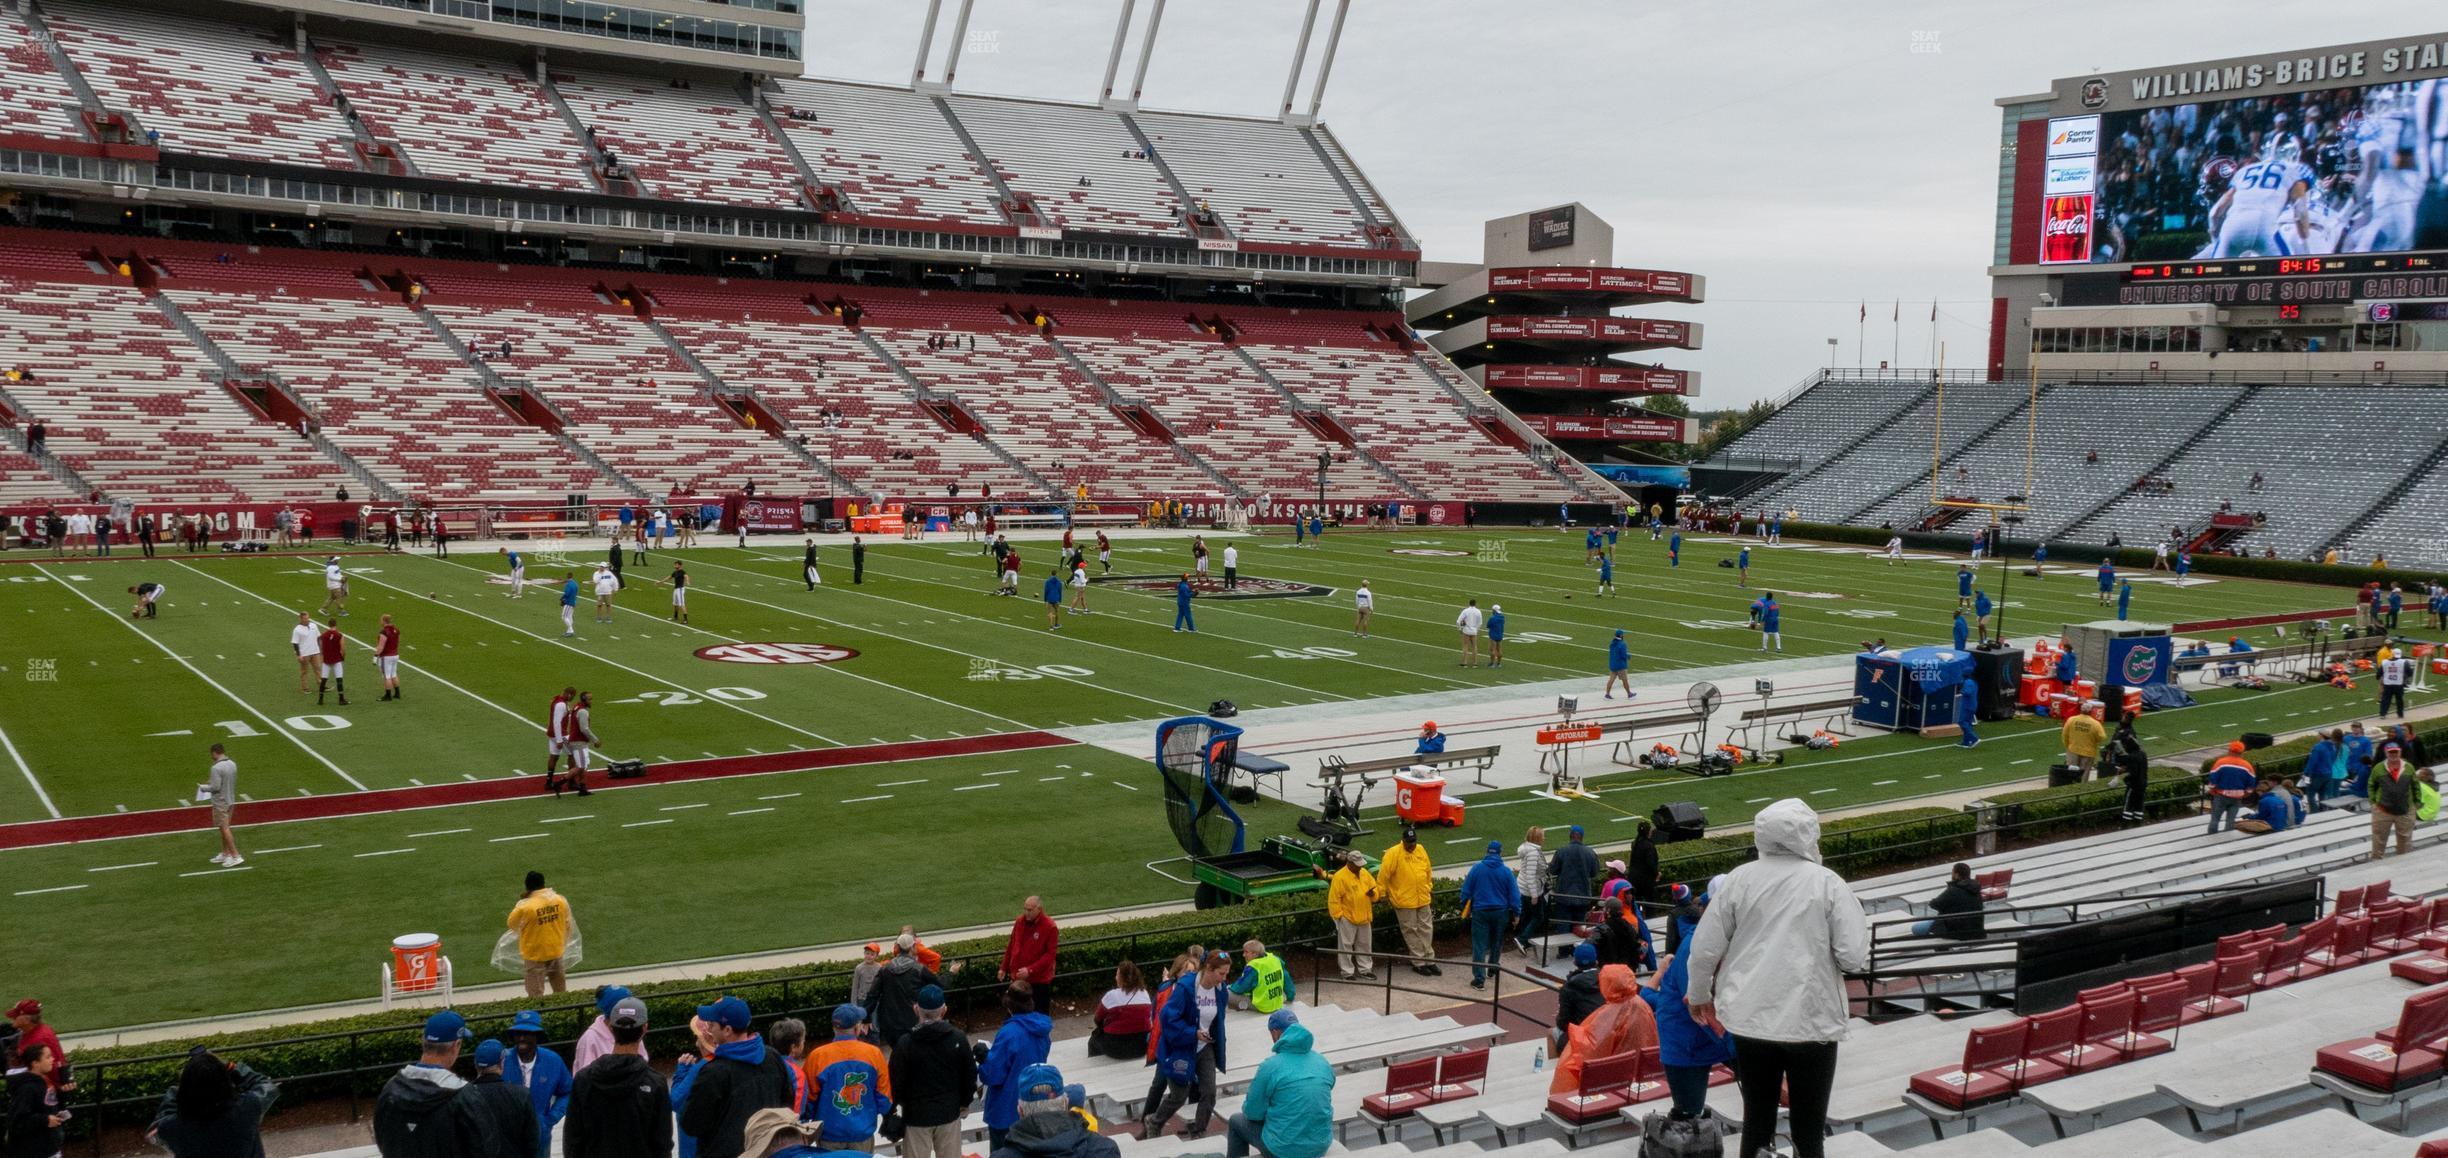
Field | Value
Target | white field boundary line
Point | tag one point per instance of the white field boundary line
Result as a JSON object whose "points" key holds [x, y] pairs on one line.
{"points": [[28, 773], [600, 659], [420, 669], [1034, 632], [825, 667], [528, 800], [1221, 606], [192, 669]]}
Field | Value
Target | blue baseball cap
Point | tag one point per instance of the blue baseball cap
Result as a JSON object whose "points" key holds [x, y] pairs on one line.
{"points": [[731, 1013], [1585, 954], [1496, 846], [1282, 1019], [607, 996], [488, 1054], [846, 1015], [527, 1021], [445, 1026], [930, 997], [1040, 1082], [1576, 830]]}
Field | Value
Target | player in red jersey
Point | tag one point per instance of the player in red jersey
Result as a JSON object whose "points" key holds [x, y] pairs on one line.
{"points": [[578, 741], [1104, 554], [334, 650], [386, 658], [556, 729]]}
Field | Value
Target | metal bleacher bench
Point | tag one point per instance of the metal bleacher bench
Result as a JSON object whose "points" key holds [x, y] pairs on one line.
{"points": [[2311, 654], [543, 528], [1478, 760], [1834, 714], [1097, 519]]}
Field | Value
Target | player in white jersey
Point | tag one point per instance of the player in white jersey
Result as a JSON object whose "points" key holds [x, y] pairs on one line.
{"points": [[1895, 549], [2254, 215], [302, 644], [335, 588], [1363, 604], [556, 732], [1079, 584], [2391, 195]]}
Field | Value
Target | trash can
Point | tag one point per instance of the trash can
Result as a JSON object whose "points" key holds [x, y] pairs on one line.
{"points": [[1419, 796], [416, 962]]}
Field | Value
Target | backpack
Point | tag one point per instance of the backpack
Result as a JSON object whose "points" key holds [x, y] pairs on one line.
{"points": [[1665, 1136]]}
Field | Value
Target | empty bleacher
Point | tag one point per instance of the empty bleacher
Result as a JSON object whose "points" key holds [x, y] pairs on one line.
{"points": [[1403, 418], [888, 150], [1032, 404], [2145, 424], [1217, 408], [459, 118], [1824, 418], [1899, 454], [626, 396], [2407, 529], [689, 144], [391, 394], [205, 86], [885, 441], [1260, 177], [1074, 160], [34, 97], [129, 408]]}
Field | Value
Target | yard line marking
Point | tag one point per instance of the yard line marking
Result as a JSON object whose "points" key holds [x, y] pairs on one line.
{"points": [[251, 709], [2025, 760], [713, 755], [1005, 772], [384, 852], [756, 751], [54, 889], [865, 799], [1759, 800], [521, 836], [291, 848], [1932, 776], [1135, 788], [112, 868], [440, 832], [219, 871], [28, 773], [593, 656], [1462, 840], [1049, 779], [644, 823], [1974, 768], [751, 811], [2261, 719], [899, 783], [779, 796], [678, 807], [1820, 791], [879, 739], [1881, 783], [2188, 731], [565, 819], [413, 780], [975, 787]]}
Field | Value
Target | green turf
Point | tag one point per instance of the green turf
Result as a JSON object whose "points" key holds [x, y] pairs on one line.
{"points": [[109, 715]]}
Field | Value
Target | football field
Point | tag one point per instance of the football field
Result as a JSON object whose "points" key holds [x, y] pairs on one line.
{"points": [[829, 764]]}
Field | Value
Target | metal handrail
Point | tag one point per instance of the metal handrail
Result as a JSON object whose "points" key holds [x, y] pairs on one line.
{"points": [[1324, 976]]}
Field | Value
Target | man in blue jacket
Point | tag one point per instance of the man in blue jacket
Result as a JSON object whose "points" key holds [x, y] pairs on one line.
{"points": [[1963, 631], [1674, 549], [1181, 606], [2359, 758], [1288, 1110], [2107, 581], [1495, 635], [1431, 741], [1981, 608], [1619, 665], [1963, 587], [2321, 767], [1190, 1047], [540, 1072], [1572, 877], [1493, 896], [1054, 599], [1025, 1039], [1967, 709], [1686, 1049]]}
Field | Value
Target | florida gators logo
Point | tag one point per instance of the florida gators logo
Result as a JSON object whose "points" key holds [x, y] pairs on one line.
{"points": [[852, 1096]]}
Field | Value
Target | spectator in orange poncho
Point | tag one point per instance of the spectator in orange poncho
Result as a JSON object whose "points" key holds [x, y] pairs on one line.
{"points": [[1621, 1025]]}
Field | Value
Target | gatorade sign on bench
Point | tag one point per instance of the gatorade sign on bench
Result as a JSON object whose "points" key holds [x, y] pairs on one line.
{"points": [[416, 962]]}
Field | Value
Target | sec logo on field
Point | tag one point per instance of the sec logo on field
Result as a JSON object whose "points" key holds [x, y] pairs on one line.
{"points": [[776, 653]]}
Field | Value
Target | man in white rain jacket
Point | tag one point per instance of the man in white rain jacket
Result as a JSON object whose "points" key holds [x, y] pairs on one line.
{"points": [[1769, 963]]}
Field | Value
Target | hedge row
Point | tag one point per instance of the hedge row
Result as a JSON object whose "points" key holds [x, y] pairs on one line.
{"points": [[2050, 812]]}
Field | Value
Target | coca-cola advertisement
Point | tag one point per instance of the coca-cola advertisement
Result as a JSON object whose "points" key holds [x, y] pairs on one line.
{"points": [[2065, 228]]}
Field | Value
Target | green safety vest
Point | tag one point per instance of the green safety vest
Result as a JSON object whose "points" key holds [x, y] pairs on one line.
{"points": [[1274, 984]]}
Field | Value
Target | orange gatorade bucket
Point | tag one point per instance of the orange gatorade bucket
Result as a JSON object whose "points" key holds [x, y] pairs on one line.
{"points": [[416, 962]]}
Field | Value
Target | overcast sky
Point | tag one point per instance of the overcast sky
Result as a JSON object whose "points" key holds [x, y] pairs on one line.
{"points": [[1805, 156]]}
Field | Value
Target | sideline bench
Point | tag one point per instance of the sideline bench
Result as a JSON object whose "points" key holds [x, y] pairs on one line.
{"points": [[1684, 726], [1477, 760], [1100, 519], [1834, 713]]}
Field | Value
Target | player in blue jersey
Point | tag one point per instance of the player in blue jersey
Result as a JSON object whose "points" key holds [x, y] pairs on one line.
{"points": [[569, 605], [1742, 568], [518, 572]]}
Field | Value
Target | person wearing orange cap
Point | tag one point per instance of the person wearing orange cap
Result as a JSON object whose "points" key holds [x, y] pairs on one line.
{"points": [[1431, 741], [2230, 779]]}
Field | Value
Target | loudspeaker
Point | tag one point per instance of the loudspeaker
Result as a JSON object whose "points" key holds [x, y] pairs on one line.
{"points": [[1679, 820], [2112, 701], [1222, 710], [2257, 739], [2061, 775], [1998, 673], [625, 769]]}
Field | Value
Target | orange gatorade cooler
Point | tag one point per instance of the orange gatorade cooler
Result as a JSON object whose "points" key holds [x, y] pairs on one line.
{"points": [[416, 962], [2096, 709], [2085, 688], [2133, 703], [2063, 706], [1419, 797], [2035, 690]]}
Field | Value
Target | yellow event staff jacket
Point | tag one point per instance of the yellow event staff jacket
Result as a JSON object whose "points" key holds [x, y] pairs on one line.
{"points": [[2083, 736], [542, 921], [1405, 877], [1349, 894]]}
